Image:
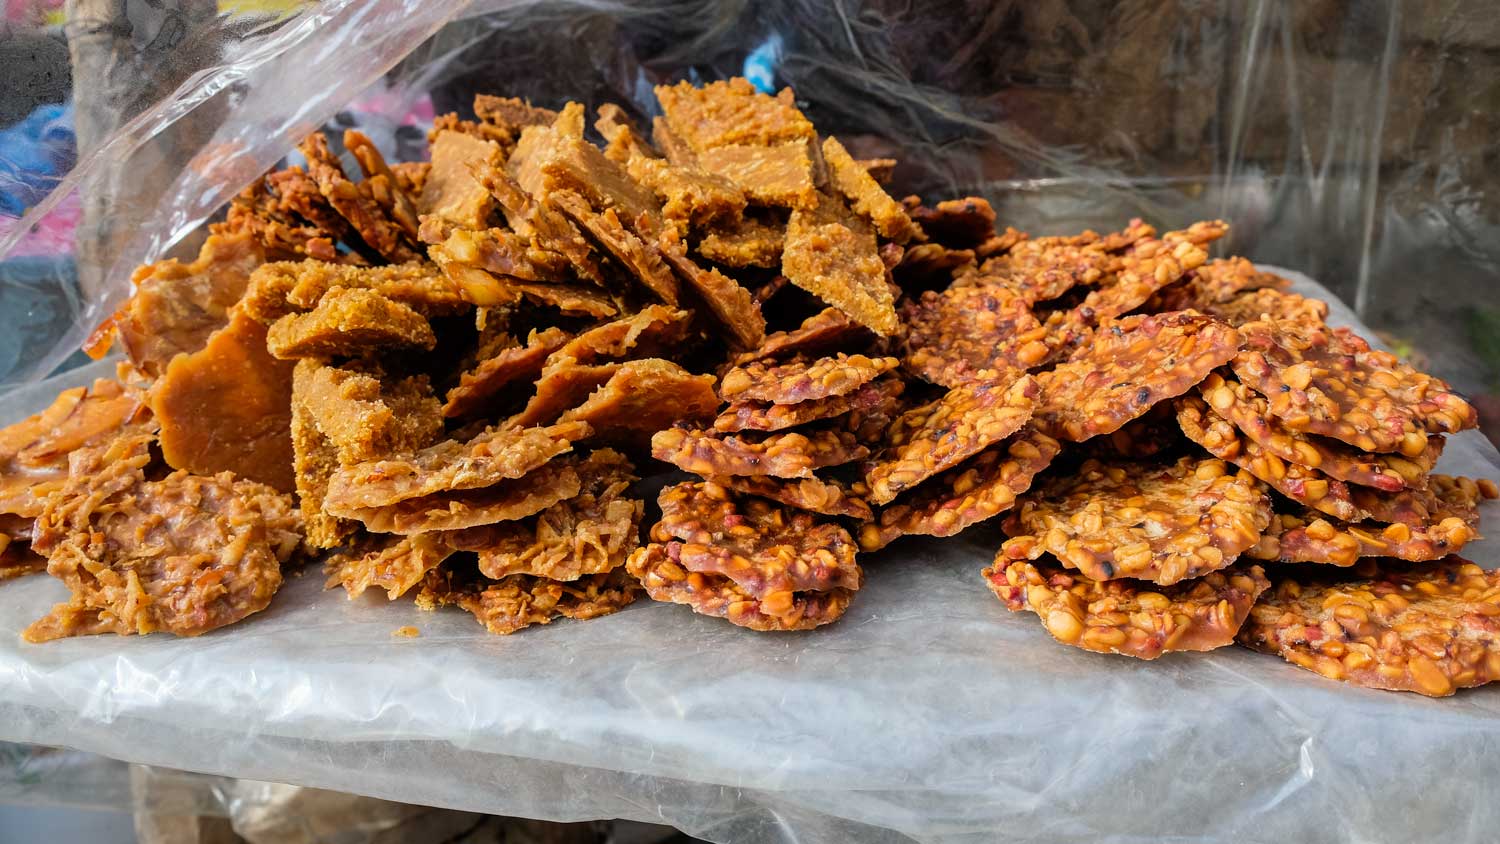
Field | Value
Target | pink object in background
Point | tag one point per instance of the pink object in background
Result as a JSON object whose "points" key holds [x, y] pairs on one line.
{"points": [[52, 237]]}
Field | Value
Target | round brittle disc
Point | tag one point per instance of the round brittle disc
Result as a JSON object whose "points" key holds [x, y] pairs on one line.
{"points": [[789, 454], [1131, 365], [1429, 628], [1330, 382], [666, 580], [797, 381], [1124, 616], [973, 332], [1144, 521], [763, 416], [941, 434]]}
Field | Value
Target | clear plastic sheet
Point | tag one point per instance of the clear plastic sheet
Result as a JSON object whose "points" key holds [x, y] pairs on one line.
{"points": [[929, 712]]}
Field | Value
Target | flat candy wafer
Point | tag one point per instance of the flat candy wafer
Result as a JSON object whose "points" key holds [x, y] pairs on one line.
{"points": [[455, 509], [797, 381], [1297, 482], [973, 332], [941, 434], [760, 416], [819, 334], [1127, 617], [1150, 522], [1330, 382], [788, 454], [1427, 628], [666, 580], [1308, 536], [1251, 413], [1269, 303], [483, 387], [1131, 365], [520, 600], [815, 495]]}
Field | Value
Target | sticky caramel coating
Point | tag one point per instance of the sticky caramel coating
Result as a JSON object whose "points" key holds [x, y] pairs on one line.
{"points": [[760, 416], [981, 488], [349, 322], [520, 600], [1330, 382], [1430, 629], [787, 454], [972, 332], [1131, 365], [814, 495], [799, 381], [1039, 273], [1269, 302], [1126, 617], [708, 594], [1308, 536], [1295, 481], [1251, 413], [939, 435], [1151, 522]]}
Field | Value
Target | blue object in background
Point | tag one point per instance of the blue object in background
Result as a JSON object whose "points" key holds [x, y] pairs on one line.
{"points": [[35, 154], [760, 65]]}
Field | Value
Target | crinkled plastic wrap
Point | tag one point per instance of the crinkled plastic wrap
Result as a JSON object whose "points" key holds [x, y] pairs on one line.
{"points": [[1351, 141], [928, 712]]}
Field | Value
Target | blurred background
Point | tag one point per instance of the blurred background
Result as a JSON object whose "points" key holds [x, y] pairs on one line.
{"points": [[1357, 142]]}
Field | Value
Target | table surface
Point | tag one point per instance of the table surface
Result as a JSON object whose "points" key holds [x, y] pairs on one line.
{"points": [[928, 712]]}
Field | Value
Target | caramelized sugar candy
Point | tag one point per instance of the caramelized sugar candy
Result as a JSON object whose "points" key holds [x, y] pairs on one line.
{"points": [[375, 226], [285, 215], [1251, 414], [763, 416], [786, 454], [939, 435], [1162, 523], [832, 254], [1295, 481], [731, 305], [510, 256], [822, 333], [227, 407], [640, 257], [485, 388], [665, 579], [643, 397], [654, 331], [287, 287], [395, 195], [1268, 303], [396, 564], [349, 323], [690, 197], [34, 452], [186, 554], [366, 415], [314, 460], [520, 600], [590, 533], [866, 196], [1417, 507], [1329, 382], [1130, 365], [971, 333], [452, 197], [1128, 617], [762, 547], [176, 306], [455, 509], [830, 497], [983, 487], [750, 242], [1428, 628], [1037, 273], [799, 381], [1216, 282], [956, 223]]}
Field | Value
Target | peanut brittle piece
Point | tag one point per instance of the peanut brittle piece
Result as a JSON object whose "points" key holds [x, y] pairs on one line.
{"points": [[866, 195], [286, 287], [1251, 413], [365, 216], [799, 381], [520, 600], [506, 254], [1308, 536], [1125, 616], [832, 255], [640, 257], [689, 196], [787, 454], [760, 416], [495, 455], [981, 488], [1147, 268], [543, 222], [815, 495], [777, 175], [1150, 435], [623, 139], [1162, 523], [731, 112], [1330, 382], [972, 333], [651, 332], [396, 564], [1418, 507], [561, 388], [759, 545], [34, 452], [748, 242], [482, 288], [391, 191], [450, 122], [643, 397], [1132, 364], [1043, 274], [939, 435], [1223, 279], [1297, 482], [731, 305], [823, 332], [314, 460], [511, 113], [486, 387], [1269, 303], [365, 417], [185, 554], [1427, 628], [554, 158], [459, 507], [927, 266], [227, 407], [1001, 243], [176, 306], [349, 323], [956, 223], [590, 533], [666, 580], [287, 216]]}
